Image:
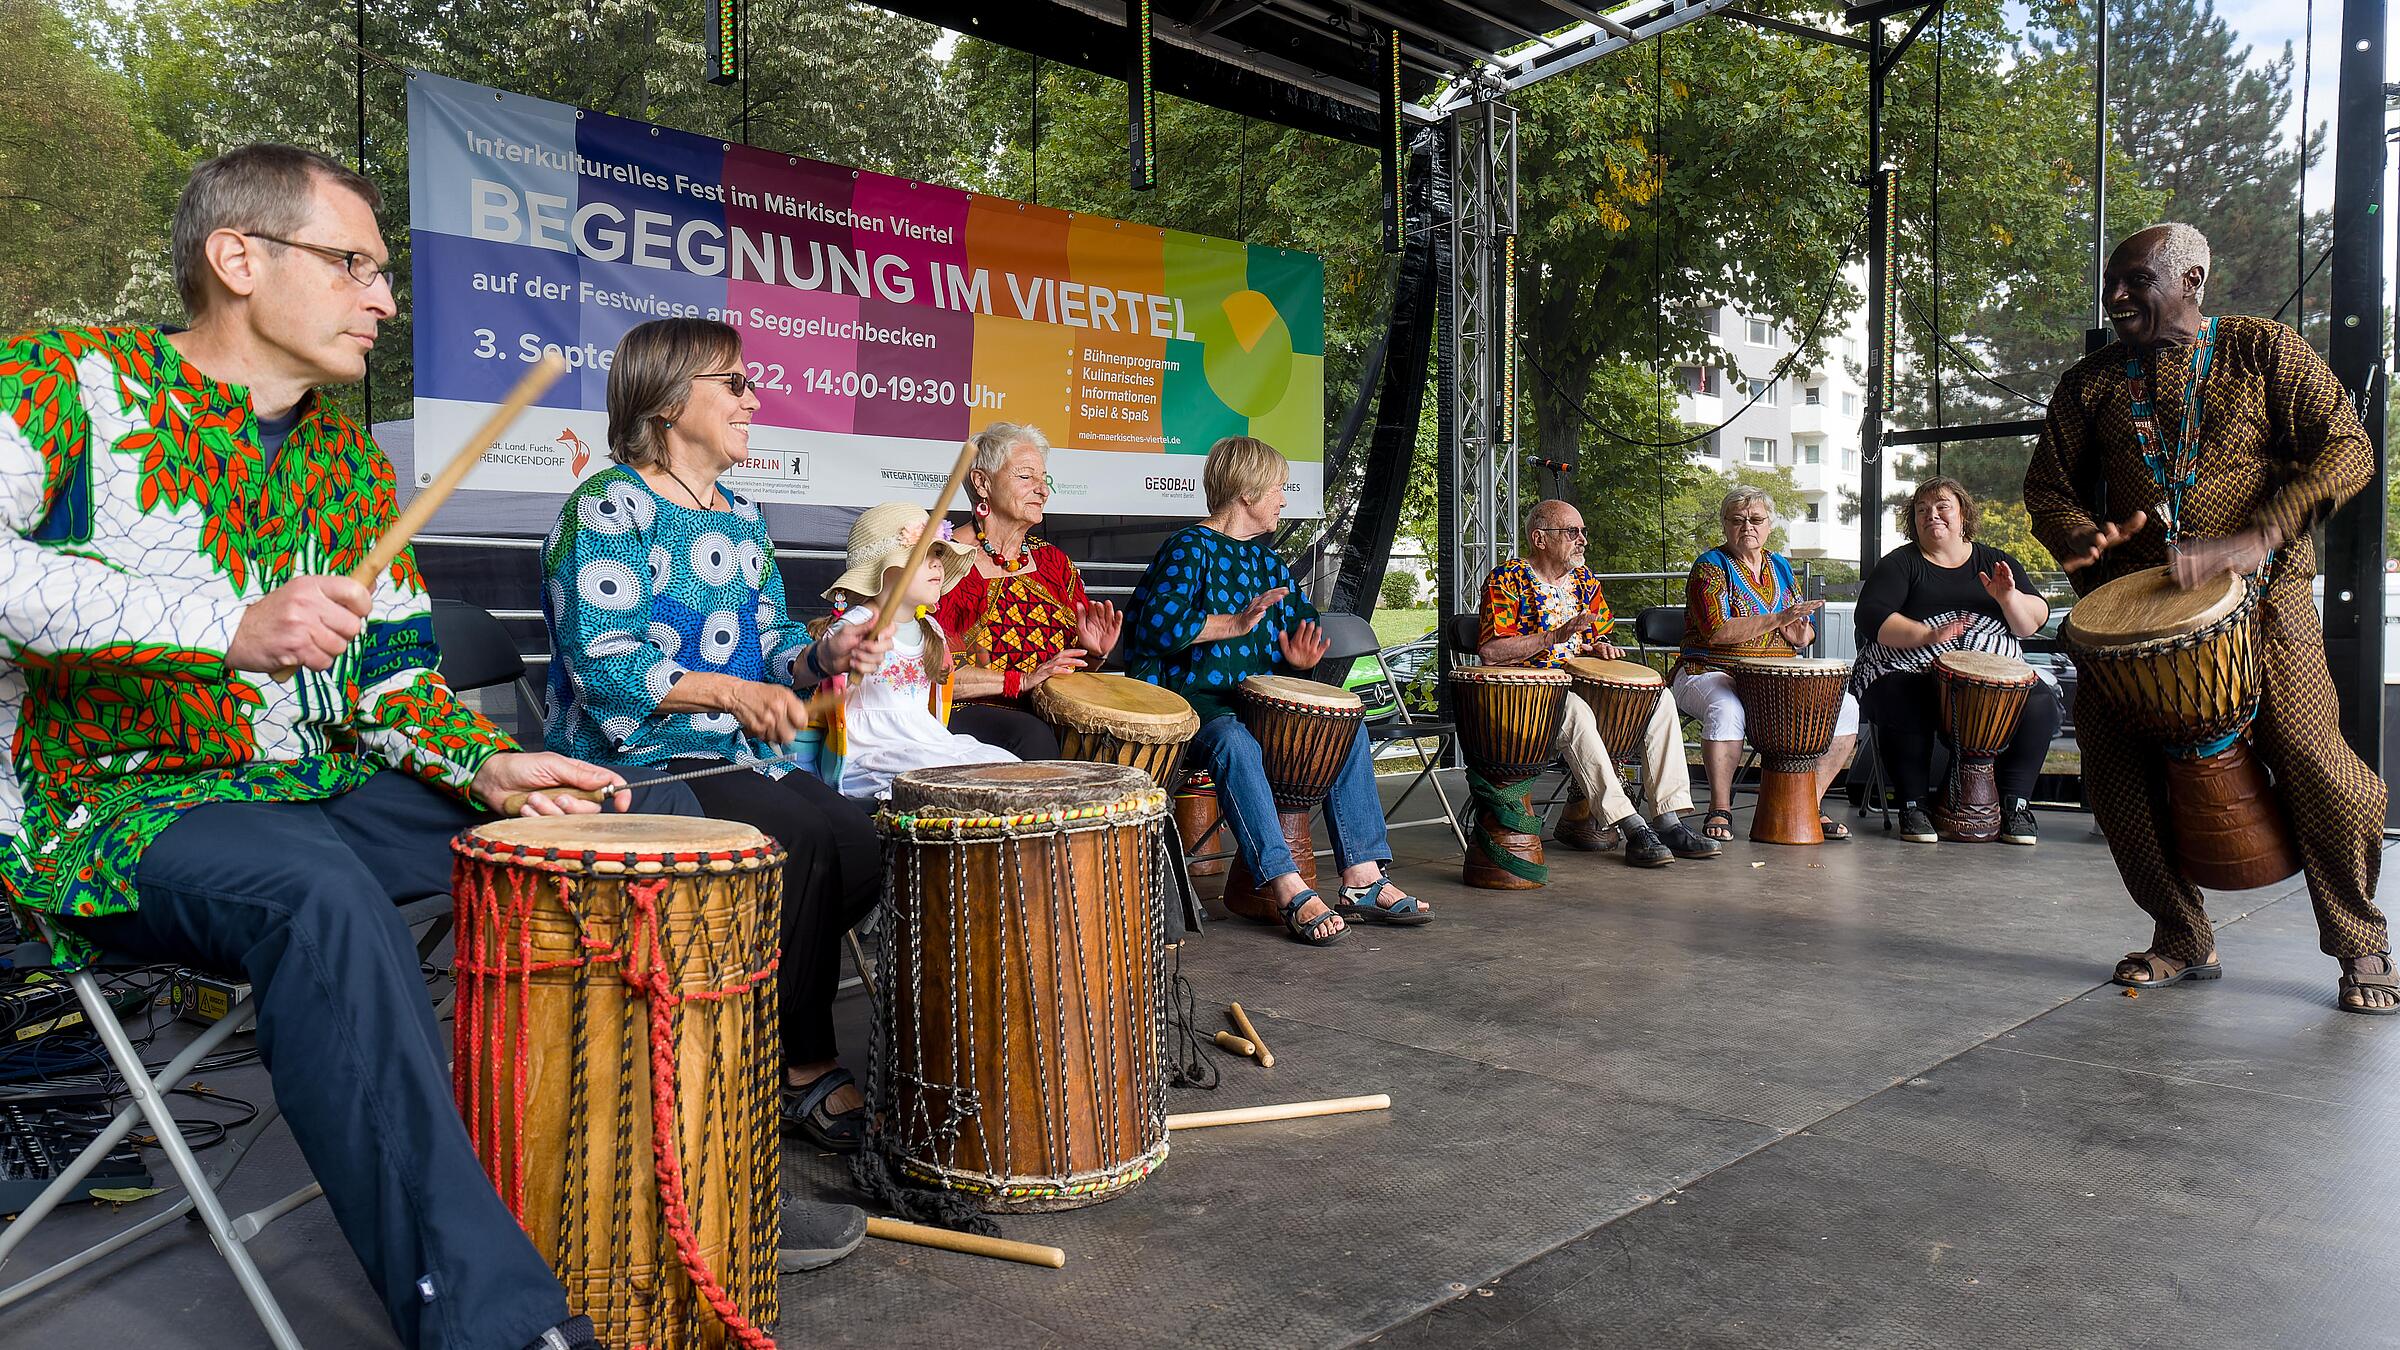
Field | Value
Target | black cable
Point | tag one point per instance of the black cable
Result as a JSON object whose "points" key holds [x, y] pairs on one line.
{"points": [[1782, 368], [2295, 295], [2308, 56], [1975, 367], [1933, 241]]}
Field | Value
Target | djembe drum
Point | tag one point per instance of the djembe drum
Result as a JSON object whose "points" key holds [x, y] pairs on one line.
{"points": [[1982, 699], [1017, 1051], [616, 987], [1791, 706], [1623, 697], [2181, 667], [1508, 720], [1304, 731], [1116, 719]]}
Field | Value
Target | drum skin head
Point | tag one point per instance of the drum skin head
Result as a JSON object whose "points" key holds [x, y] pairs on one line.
{"points": [[1612, 672], [2147, 605], [1790, 665], [1016, 789], [1986, 667], [609, 832], [1088, 701], [1306, 693]]}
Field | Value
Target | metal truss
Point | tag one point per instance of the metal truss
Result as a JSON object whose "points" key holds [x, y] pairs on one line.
{"points": [[1483, 153]]}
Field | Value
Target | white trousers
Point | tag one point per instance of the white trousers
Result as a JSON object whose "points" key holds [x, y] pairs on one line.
{"points": [[1668, 777]]}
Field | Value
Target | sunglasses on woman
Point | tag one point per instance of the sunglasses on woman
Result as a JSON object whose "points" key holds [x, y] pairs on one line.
{"points": [[736, 382]]}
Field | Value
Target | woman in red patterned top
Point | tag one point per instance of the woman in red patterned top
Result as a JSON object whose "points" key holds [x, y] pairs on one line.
{"points": [[1021, 615]]}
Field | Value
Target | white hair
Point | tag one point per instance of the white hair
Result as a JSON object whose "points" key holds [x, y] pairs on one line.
{"points": [[1743, 496], [2183, 249], [992, 447]]}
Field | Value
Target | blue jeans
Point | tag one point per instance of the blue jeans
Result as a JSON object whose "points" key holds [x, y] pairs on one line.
{"points": [[1353, 813], [298, 899]]}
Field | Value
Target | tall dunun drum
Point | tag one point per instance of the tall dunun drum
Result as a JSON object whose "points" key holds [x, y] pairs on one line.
{"points": [[1791, 706], [1508, 719], [615, 986], [1982, 699], [1623, 696], [1116, 719], [1018, 1046], [1304, 731], [2183, 668]]}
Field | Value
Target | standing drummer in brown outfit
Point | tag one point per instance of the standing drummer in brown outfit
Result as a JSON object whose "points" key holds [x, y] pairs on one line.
{"points": [[2276, 448]]}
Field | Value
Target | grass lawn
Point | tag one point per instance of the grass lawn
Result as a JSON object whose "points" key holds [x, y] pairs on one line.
{"points": [[1395, 626]]}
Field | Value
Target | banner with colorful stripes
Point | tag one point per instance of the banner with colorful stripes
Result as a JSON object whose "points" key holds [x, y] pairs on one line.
{"points": [[886, 319]]}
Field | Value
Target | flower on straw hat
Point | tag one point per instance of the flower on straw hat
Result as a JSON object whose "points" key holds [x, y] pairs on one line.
{"points": [[880, 540]]}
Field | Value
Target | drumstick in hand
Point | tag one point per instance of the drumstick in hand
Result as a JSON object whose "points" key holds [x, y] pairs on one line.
{"points": [[420, 509]]}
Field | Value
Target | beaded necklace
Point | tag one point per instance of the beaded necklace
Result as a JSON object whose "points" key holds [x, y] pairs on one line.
{"points": [[2174, 468], [1024, 556]]}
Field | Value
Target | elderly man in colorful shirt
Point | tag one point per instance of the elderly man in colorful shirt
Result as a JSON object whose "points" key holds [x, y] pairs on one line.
{"points": [[1543, 609], [180, 510]]}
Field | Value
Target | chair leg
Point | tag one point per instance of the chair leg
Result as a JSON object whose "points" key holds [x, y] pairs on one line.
{"points": [[179, 1156], [1180, 867], [1448, 809]]}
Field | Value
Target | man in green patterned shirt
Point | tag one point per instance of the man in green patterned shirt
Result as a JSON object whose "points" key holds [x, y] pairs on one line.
{"points": [[179, 510]]}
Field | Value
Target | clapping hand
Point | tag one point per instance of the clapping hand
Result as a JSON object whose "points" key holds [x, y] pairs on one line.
{"points": [[1070, 659], [1949, 632], [2197, 561], [1097, 626], [1999, 583], [1256, 610], [2087, 548], [1304, 646]]}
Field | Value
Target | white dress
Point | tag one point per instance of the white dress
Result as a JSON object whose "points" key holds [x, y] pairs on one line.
{"points": [[889, 727]]}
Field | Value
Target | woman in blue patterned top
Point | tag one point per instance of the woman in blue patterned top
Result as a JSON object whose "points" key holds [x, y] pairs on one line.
{"points": [[1216, 607], [674, 649]]}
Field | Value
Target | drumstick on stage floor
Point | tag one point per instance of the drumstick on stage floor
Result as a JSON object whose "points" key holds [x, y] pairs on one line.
{"points": [[971, 1244], [1241, 1023], [421, 507], [1228, 1041], [1251, 1115]]}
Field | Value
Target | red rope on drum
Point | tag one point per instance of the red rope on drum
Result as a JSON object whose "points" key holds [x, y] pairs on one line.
{"points": [[653, 982]]}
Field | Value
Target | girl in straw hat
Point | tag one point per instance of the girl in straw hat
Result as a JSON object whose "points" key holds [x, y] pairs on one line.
{"points": [[895, 719]]}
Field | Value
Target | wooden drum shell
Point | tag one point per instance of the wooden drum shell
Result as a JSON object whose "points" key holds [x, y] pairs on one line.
{"points": [[1116, 719], [1622, 703], [1508, 719], [1790, 708], [575, 1163], [2189, 691], [1019, 1049], [1982, 700]]}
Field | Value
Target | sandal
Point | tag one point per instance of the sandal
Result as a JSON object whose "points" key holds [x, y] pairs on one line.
{"points": [[804, 1113], [1311, 931], [1832, 829], [1718, 825], [1359, 902], [2163, 970], [2361, 982]]}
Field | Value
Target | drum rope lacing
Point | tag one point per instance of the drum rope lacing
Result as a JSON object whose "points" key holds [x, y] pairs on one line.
{"points": [[649, 968], [895, 1135]]}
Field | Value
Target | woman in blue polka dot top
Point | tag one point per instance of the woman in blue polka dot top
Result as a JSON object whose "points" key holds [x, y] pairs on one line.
{"points": [[1216, 607], [673, 649]]}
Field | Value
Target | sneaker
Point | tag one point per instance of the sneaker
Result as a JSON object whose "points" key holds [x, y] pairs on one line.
{"points": [[817, 1234], [1688, 842], [1916, 826], [2016, 823], [1643, 847]]}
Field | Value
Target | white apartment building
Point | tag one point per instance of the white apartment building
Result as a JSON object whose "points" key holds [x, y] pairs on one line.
{"points": [[1807, 421]]}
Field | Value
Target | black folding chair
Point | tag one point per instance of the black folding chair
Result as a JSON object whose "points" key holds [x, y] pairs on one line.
{"points": [[1348, 638], [478, 653]]}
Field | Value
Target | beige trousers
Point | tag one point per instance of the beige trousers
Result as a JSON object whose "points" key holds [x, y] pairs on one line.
{"points": [[1663, 767]]}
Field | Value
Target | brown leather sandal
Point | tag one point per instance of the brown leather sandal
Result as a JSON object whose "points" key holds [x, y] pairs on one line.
{"points": [[2359, 982], [2162, 970]]}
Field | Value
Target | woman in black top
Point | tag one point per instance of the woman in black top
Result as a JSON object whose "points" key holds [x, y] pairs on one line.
{"points": [[1939, 592]]}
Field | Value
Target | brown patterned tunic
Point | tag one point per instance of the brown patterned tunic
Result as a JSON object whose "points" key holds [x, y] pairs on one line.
{"points": [[2280, 445]]}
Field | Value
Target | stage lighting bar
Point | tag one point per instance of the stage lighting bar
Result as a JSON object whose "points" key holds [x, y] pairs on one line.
{"points": [[1508, 334], [1394, 130], [1887, 340], [724, 41], [1141, 95]]}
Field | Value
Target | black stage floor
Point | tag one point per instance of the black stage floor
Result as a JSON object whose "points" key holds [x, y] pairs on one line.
{"points": [[1873, 1094]]}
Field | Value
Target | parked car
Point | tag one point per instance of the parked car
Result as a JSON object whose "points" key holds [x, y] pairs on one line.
{"points": [[2044, 653]]}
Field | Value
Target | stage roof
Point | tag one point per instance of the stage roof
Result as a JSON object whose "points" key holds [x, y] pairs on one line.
{"points": [[1312, 63]]}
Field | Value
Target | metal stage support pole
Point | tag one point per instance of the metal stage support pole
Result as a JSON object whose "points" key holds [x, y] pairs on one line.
{"points": [[2353, 562], [2099, 334], [1483, 153], [1879, 316]]}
